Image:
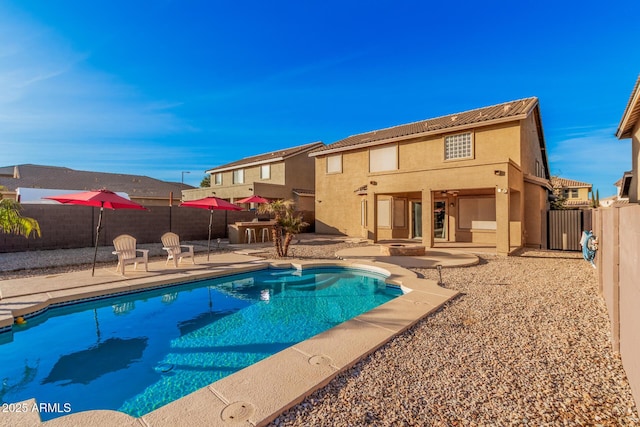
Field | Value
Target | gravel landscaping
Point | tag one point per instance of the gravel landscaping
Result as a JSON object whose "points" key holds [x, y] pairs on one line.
{"points": [[526, 343]]}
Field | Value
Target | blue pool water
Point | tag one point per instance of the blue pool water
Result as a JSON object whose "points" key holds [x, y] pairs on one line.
{"points": [[137, 352]]}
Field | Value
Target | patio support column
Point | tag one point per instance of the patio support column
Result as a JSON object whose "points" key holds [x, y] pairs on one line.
{"points": [[502, 221], [427, 218]]}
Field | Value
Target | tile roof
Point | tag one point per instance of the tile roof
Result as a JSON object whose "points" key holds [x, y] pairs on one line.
{"points": [[558, 182], [61, 178], [620, 202], [577, 203], [273, 156], [513, 110], [631, 113], [303, 192]]}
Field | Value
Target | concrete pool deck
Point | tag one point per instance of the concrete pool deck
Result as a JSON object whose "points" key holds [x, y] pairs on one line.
{"points": [[246, 397]]}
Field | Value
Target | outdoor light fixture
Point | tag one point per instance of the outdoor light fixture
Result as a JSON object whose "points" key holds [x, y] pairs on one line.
{"points": [[183, 172], [440, 282], [373, 182], [498, 172]]}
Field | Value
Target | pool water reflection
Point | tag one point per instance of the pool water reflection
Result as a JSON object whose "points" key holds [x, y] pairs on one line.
{"points": [[137, 352]]}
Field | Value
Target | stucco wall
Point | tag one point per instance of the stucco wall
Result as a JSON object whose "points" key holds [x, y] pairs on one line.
{"points": [[422, 168], [634, 190], [618, 262], [530, 146]]}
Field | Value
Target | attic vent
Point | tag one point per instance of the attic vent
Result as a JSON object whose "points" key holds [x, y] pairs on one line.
{"points": [[454, 118], [507, 107]]}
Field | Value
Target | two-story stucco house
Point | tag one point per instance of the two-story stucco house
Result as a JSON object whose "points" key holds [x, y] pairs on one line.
{"points": [[283, 174], [576, 194], [629, 127], [478, 176]]}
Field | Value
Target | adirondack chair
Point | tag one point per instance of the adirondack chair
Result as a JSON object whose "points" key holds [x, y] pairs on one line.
{"points": [[127, 253], [171, 244]]}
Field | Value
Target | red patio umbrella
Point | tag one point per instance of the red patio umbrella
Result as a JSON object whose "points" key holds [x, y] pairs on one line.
{"points": [[253, 199], [212, 203], [97, 198]]}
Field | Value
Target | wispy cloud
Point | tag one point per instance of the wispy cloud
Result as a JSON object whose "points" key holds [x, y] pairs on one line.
{"points": [[591, 155], [48, 90]]}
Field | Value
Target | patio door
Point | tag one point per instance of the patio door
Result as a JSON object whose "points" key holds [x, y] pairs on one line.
{"points": [[440, 219], [416, 219]]}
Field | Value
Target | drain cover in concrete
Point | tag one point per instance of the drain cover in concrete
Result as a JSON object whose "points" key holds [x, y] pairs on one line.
{"points": [[237, 412], [320, 360]]}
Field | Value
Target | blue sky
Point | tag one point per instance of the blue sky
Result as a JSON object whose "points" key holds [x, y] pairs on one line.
{"points": [[160, 87]]}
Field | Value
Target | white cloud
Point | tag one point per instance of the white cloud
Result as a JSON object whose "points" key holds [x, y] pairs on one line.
{"points": [[595, 156], [48, 91]]}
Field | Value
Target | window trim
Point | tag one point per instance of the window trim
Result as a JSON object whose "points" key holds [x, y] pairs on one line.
{"points": [[383, 208], [268, 176], [363, 212], [471, 147], [337, 170], [380, 148], [236, 175]]}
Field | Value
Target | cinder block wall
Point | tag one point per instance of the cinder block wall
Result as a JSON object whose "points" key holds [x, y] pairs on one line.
{"points": [[65, 227]]}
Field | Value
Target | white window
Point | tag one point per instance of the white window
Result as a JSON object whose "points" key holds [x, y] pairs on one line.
{"points": [[458, 146], [383, 159], [384, 213], [265, 172], [334, 164], [218, 178], [238, 176], [477, 213], [570, 193]]}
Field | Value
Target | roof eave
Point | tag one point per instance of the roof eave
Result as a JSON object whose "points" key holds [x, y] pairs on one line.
{"points": [[311, 146], [421, 134], [631, 113], [245, 165]]}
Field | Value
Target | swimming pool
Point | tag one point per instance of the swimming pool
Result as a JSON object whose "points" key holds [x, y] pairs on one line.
{"points": [[137, 352]]}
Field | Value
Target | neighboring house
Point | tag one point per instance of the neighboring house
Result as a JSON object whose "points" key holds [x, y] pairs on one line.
{"points": [[576, 194], [629, 127], [283, 174], [479, 176], [622, 195], [49, 180]]}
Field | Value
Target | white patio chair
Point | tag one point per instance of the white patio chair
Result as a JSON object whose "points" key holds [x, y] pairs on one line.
{"points": [[127, 253], [171, 244]]}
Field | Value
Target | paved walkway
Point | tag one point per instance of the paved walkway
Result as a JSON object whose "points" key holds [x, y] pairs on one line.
{"points": [[431, 258]]}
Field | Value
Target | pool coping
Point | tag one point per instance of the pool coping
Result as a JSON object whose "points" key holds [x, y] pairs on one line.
{"points": [[261, 392]]}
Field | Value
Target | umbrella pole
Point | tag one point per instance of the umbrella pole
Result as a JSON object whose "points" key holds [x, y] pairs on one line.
{"points": [[209, 241], [95, 253]]}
